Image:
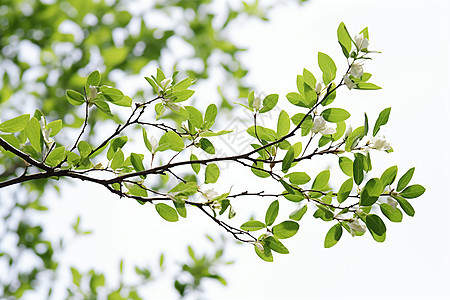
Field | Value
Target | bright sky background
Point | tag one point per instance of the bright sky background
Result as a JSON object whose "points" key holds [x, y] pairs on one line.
{"points": [[413, 70]]}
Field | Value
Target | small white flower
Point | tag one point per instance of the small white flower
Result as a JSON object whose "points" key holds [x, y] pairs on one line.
{"points": [[380, 143], [46, 132], [320, 125], [171, 105], [319, 88], [166, 82], [391, 201], [359, 211], [361, 42], [153, 144], [92, 92], [209, 194], [348, 82], [259, 97], [357, 69], [259, 246], [356, 226], [348, 131]]}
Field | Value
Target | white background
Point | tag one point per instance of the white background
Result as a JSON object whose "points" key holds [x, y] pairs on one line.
{"points": [[413, 263]]}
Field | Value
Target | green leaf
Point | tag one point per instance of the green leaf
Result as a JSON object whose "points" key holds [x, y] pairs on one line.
{"points": [[160, 75], [195, 117], [118, 159], [335, 115], [354, 138], [55, 127], [371, 192], [125, 101], [15, 124], [365, 32], [189, 188], [195, 167], [112, 95], [310, 95], [405, 205], [345, 190], [136, 161], [394, 215], [11, 139], [358, 168], [298, 178], [265, 255], [366, 124], [413, 191], [275, 245], [375, 224], [344, 39], [93, 79], [207, 146], [180, 206], [153, 84], [210, 133], [84, 149], [306, 125], [272, 212], [321, 180], [147, 143], [171, 140], [76, 276], [181, 96], [75, 98], [115, 144], [309, 79], [33, 132], [136, 190], [250, 99], [56, 156], [183, 84], [257, 169], [253, 225], [287, 160], [285, 229], [210, 116], [283, 125], [166, 212], [299, 213], [405, 179], [269, 102], [378, 238], [367, 86], [262, 133], [382, 119], [333, 236], [388, 176], [328, 67], [297, 99], [346, 165], [104, 107], [212, 173]]}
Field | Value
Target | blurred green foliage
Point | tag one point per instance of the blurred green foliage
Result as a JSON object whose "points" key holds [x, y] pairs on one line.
{"points": [[49, 46]]}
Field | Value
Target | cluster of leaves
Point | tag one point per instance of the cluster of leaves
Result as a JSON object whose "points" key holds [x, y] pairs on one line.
{"points": [[272, 157], [63, 41]]}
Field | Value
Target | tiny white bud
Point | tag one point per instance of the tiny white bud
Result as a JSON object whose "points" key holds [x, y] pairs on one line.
{"points": [[92, 92], [166, 82], [348, 82]]}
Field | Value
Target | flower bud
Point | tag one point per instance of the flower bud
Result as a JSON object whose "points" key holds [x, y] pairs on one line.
{"points": [[361, 42], [166, 82]]}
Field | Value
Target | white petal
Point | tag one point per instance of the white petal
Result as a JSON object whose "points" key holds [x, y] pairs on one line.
{"points": [[328, 130]]}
